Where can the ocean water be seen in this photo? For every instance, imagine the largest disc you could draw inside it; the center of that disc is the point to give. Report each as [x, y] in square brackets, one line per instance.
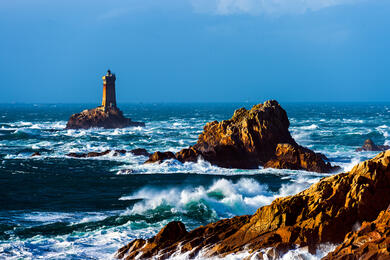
[56, 207]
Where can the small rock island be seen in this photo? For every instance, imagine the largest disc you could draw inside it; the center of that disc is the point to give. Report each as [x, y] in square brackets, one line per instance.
[369, 145]
[251, 138]
[108, 115]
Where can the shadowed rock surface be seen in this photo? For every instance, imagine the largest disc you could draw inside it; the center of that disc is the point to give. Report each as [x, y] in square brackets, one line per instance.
[253, 138]
[100, 117]
[371, 241]
[323, 213]
[370, 146]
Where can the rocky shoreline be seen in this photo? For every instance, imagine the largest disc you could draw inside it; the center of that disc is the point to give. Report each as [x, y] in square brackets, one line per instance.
[324, 213]
[251, 138]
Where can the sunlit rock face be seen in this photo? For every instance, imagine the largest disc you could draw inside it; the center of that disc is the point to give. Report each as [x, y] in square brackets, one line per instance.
[323, 213]
[371, 241]
[253, 138]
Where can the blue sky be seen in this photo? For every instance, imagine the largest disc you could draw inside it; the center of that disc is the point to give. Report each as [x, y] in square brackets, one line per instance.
[195, 50]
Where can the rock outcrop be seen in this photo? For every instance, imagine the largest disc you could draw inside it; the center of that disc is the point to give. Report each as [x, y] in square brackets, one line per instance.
[160, 156]
[371, 241]
[100, 117]
[253, 138]
[370, 146]
[323, 213]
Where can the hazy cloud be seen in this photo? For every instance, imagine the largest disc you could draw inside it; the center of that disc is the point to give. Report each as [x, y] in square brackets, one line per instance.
[255, 7]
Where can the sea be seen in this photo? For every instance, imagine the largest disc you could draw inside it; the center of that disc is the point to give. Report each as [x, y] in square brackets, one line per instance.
[57, 207]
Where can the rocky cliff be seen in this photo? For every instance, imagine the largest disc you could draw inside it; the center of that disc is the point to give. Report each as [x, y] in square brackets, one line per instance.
[99, 117]
[252, 138]
[323, 213]
[371, 241]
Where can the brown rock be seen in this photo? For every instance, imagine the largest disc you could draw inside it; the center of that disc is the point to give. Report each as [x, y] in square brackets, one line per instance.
[188, 155]
[100, 117]
[88, 155]
[297, 157]
[165, 242]
[97, 154]
[371, 241]
[77, 155]
[370, 146]
[160, 156]
[36, 154]
[323, 213]
[171, 233]
[253, 138]
[140, 151]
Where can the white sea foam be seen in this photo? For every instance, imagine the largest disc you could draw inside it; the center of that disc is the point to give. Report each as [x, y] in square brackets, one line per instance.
[384, 130]
[299, 253]
[223, 197]
[310, 127]
[200, 167]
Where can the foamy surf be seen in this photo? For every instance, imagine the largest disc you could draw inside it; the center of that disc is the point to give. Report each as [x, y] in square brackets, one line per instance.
[90, 207]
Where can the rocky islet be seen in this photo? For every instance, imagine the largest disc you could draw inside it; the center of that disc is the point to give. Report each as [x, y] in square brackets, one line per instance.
[251, 138]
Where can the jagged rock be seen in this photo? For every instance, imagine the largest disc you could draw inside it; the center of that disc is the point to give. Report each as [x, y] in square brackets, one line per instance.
[297, 157]
[100, 117]
[370, 146]
[160, 156]
[194, 241]
[140, 152]
[36, 154]
[371, 241]
[187, 155]
[323, 213]
[253, 138]
[168, 235]
[88, 155]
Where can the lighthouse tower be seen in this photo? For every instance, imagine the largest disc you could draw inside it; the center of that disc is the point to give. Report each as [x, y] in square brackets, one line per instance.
[109, 98]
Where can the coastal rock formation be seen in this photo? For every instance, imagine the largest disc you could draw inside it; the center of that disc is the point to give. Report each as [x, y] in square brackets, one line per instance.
[100, 117]
[253, 138]
[371, 241]
[137, 152]
[370, 146]
[140, 152]
[160, 156]
[323, 213]
[297, 157]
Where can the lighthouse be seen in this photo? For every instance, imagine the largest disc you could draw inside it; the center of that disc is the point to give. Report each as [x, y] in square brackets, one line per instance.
[109, 98]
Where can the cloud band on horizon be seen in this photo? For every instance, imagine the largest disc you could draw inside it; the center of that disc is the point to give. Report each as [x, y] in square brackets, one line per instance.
[266, 7]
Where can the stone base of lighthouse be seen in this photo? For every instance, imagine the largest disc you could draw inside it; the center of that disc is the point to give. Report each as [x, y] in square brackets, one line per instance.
[103, 117]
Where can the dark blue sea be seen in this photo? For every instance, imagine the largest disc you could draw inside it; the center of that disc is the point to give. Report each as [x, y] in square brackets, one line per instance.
[57, 207]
